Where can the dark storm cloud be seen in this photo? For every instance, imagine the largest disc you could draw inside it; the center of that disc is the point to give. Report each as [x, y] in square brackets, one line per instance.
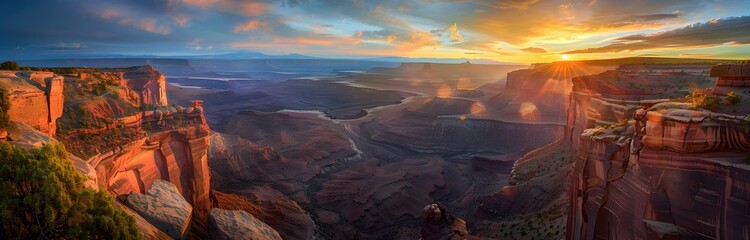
[713, 33]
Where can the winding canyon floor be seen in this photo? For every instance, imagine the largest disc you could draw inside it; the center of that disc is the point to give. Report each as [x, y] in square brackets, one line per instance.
[362, 154]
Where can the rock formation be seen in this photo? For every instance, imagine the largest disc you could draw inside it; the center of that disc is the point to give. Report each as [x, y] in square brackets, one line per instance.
[149, 83]
[163, 207]
[36, 98]
[238, 224]
[665, 170]
[177, 151]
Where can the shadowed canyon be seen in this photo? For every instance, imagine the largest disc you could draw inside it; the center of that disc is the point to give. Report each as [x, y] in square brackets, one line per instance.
[370, 120]
[565, 149]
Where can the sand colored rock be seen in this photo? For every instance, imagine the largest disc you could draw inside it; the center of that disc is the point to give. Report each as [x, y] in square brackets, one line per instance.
[151, 84]
[238, 224]
[148, 231]
[179, 156]
[163, 207]
[36, 98]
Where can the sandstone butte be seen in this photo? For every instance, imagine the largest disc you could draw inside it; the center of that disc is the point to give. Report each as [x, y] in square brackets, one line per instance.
[170, 159]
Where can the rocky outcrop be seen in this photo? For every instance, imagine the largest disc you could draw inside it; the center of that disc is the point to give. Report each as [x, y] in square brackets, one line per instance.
[150, 83]
[36, 98]
[732, 75]
[238, 224]
[177, 153]
[148, 231]
[163, 207]
[666, 171]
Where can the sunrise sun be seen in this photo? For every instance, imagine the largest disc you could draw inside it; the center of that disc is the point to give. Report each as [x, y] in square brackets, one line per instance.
[565, 57]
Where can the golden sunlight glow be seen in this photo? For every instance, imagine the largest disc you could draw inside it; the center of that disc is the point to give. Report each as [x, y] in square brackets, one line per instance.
[528, 111]
[444, 91]
[565, 57]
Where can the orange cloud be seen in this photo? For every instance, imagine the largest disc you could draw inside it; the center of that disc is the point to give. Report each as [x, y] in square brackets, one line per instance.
[421, 39]
[181, 21]
[147, 24]
[109, 14]
[534, 50]
[250, 25]
[302, 41]
[390, 38]
[454, 33]
[246, 8]
[358, 37]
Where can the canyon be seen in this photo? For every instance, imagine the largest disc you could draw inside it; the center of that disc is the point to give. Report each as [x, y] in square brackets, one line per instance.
[616, 149]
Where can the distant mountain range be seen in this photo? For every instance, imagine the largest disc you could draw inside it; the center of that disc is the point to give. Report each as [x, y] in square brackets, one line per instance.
[258, 55]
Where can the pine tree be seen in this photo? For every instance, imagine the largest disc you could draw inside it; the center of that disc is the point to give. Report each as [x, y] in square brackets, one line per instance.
[42, 196]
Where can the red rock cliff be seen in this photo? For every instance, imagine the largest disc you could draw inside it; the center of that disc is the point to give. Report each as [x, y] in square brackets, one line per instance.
[36, 98]
[146, 81]
[670, 172]
[175, 150]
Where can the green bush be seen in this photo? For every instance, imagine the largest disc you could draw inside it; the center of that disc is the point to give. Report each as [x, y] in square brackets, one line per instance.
[42, 196]
[9, 65]
[732, 98]
[703, 98]
[4, 106]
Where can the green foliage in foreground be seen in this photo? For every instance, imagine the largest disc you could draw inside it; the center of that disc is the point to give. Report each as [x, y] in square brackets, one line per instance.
[42, 196]
[4, 107]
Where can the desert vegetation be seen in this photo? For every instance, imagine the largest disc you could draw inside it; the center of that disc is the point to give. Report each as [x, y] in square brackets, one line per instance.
[42, 196]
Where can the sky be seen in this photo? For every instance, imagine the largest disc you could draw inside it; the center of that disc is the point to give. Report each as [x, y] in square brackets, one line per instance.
[521, 31]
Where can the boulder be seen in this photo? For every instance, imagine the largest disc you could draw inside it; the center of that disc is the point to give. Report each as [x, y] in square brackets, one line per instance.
[226, 225]
[164, 207]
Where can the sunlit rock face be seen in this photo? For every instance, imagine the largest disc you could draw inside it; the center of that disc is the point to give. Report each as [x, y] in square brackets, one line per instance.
[668, 173]
[149, 83]
[179, 155]
[36, 98]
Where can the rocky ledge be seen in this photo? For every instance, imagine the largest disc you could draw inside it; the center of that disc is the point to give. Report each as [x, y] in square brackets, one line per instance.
[164, 207]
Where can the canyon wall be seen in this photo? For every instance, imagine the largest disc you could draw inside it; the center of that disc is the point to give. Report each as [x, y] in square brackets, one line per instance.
[649, 168]
[146, 81]
[36, 98]
[175, 150]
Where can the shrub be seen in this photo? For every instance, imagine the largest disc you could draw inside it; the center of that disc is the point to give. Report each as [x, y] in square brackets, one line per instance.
[42, 196]
[4, 106]
[9, 65]
[732, 98]
[703, 98]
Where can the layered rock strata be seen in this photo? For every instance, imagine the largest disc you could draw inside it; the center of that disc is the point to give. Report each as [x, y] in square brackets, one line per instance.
[36, 98]
[666, 171]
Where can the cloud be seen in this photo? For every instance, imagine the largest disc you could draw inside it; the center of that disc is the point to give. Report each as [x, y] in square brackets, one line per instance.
[110, 14]
[147, 24]
[182, 21]
[514, 4]
[453, 29]
[421, 39]
[250, 25]
[390, 38]
[699, 35]
[534, 50]
[65, 46]
[241, 7]
[358, 37]
[545, 22]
